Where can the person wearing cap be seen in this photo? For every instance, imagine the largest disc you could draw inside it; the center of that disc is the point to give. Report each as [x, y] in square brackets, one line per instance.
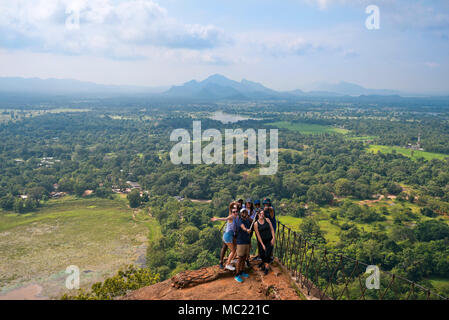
[257, 204]
[243, 242]
[272, 215]
[250, 207]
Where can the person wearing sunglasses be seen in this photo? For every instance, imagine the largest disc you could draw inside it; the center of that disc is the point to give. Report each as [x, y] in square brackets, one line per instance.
[228, 235]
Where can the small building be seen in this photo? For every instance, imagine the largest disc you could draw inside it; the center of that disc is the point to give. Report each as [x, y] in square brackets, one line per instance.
[56, 195]
[416, 146]
[134, 185]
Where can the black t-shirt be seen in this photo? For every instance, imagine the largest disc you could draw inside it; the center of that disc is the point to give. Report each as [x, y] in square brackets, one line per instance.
[242, 236]
[264, 231]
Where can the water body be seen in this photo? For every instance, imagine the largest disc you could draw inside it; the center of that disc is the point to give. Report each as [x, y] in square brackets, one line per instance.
[226, 118]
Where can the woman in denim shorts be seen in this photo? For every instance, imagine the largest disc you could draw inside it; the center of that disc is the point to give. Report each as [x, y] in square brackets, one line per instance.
[228, 235]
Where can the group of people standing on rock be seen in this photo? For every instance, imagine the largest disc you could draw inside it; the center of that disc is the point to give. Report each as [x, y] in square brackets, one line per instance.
[245, 219]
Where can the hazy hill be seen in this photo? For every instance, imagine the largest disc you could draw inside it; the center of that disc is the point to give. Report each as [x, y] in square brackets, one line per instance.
[347, 88]
[26, 91]
[220, 87]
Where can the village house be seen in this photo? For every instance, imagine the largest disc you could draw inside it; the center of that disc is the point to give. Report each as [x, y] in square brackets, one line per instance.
[134, 185]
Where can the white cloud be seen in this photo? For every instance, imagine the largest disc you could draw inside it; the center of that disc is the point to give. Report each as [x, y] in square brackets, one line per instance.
[105, 26]
[280, 45]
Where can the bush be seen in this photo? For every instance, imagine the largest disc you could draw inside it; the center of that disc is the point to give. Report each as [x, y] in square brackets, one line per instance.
[432, 230]
[190, 234]
[428, 212]
[134, 198]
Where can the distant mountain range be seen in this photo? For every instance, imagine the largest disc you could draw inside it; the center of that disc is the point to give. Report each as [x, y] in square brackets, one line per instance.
[220, 87]
[215, 87]
[351, 89]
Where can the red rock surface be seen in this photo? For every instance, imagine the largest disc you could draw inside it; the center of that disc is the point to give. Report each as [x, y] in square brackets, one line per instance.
[215, 284]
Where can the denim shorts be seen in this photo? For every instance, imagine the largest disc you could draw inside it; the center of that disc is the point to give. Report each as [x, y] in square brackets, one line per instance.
[228, 237]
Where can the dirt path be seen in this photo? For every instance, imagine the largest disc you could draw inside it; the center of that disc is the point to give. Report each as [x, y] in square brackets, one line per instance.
[30, 292]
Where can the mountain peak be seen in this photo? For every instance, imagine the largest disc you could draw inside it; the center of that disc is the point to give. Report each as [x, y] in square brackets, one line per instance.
[218, 86]
[217, 76]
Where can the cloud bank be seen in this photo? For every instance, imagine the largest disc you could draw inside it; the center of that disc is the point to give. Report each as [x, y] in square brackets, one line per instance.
[99, 26]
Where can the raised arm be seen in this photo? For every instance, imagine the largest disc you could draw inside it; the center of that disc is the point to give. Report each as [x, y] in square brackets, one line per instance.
[228, 218]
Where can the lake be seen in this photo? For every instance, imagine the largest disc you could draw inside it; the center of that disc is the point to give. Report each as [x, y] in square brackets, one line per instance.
[226, 118]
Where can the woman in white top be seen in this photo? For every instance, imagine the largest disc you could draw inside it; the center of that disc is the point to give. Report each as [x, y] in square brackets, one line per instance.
[228, 235]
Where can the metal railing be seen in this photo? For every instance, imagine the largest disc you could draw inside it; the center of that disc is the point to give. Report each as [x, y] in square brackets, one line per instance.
[325, 275]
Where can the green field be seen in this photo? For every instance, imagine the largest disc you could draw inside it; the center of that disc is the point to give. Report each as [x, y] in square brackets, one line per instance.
[331, 230]
[441, 285]
[362, 138]
[407, 152]
[97, 235]
[307, 128]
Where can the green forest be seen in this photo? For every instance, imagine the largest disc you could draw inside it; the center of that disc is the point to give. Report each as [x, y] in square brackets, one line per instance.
[385, 208]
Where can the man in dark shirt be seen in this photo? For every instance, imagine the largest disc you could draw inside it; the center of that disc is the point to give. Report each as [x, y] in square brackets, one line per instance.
[243, 242]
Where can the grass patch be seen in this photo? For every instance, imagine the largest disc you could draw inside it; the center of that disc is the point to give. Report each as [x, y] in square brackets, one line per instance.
[307, 128]
[97, 235]
[440, 284]
[330, 231]
[363, 138]
[291, 151]
[413, 154]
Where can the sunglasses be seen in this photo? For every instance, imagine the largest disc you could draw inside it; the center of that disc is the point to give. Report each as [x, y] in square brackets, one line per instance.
[234, 211]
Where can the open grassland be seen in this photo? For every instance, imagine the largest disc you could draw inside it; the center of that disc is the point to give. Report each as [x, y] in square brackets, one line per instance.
[307, 128]
[414, 154]
[97, 235]
[331, 229]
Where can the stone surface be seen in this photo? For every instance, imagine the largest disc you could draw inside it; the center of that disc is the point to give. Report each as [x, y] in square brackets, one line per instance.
[215, 284]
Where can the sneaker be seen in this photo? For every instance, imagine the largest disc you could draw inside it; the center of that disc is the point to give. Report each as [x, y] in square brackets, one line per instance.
[257, 258]
[238, 279]
[261, 265]
[221, 265]
[266, 271]
[229, 267]
[244, 275]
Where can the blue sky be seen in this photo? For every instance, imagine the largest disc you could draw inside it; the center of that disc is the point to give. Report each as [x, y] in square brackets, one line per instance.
[284, 44]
